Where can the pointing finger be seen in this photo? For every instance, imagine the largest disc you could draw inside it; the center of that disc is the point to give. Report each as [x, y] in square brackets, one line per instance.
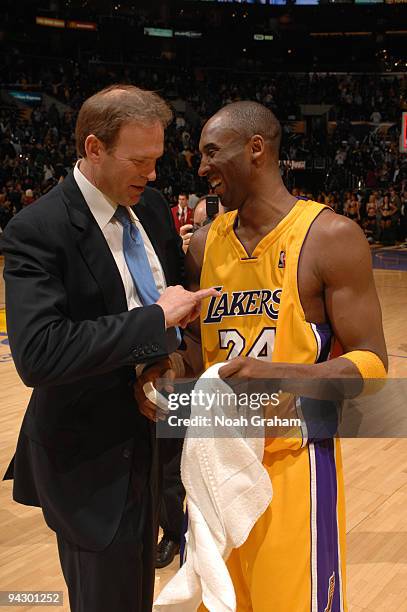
[204, 293]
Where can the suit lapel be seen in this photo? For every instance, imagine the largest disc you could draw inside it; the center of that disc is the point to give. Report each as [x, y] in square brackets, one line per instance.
[94, 248]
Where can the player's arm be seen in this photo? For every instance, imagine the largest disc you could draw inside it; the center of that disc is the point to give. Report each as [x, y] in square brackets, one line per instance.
[192, 355]
[343, 264]
[351, 300]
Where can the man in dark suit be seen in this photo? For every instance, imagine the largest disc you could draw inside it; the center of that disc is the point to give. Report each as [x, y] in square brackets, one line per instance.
[181, 213]
[78, 322]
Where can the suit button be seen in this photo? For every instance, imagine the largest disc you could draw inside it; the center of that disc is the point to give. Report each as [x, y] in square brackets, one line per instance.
[148, 350]
[154, 348]
[135, 353]
[126, 453]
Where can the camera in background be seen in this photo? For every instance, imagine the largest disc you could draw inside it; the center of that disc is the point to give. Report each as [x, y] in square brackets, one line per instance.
[205, 211]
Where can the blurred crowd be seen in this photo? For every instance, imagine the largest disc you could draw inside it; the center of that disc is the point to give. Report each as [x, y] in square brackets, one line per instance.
[351, 152]
[381, 213]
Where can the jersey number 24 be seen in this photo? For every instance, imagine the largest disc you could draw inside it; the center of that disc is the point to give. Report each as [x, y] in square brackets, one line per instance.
[262, 348]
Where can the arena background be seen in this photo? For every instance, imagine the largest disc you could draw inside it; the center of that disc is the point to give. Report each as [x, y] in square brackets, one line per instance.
[335, 74]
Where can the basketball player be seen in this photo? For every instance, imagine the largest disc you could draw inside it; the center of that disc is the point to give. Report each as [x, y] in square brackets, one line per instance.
[293, 276]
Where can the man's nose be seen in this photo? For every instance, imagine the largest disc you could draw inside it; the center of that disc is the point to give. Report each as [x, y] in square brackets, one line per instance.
[152, 175]
[203, 168]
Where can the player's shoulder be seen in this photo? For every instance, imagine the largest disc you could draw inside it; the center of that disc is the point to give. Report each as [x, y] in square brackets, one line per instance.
[217, 228]
[333, 229]
[336, 245]
[198, 242]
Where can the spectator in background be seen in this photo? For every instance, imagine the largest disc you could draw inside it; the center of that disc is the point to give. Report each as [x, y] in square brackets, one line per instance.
[181, 213]
[376, 117]
[394, 198]
[179, 121]
[49, 172]
[388, 221]
[6, 211]
[371, 206]
[353, 208]
[370, 222]
[333, 202]
[28, 197]
[15, 196]
[200, 219]
[200, 214]
[193, 200]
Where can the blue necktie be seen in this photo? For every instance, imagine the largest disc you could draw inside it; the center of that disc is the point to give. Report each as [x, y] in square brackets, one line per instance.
[140, 270]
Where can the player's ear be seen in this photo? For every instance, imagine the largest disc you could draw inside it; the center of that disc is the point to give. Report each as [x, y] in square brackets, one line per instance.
[257, 147]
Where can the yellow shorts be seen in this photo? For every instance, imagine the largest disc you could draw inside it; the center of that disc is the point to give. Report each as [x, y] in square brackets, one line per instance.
[294, 557]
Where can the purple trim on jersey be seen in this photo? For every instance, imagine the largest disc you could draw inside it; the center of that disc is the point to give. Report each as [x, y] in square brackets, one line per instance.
[327, 526]
[324, 332]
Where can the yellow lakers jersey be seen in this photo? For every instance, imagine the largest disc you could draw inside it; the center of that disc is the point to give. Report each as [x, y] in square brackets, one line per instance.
[259, 313]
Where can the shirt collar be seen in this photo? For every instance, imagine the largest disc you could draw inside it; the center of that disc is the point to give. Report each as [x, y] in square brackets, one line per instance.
[101, 207]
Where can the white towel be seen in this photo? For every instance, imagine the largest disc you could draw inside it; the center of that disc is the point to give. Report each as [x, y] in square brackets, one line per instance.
[227, 490]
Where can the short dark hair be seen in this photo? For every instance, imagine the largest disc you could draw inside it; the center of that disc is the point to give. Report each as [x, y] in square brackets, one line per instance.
[104, 113]
[250, 118]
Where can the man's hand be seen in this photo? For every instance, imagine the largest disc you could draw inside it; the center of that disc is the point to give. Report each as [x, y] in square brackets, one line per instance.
[186, 234]
[167, 370]
[160, 369]
[181, 306]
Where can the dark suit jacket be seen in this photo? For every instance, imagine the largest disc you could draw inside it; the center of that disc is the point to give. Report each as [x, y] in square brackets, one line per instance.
[178, 224]
[73, 340]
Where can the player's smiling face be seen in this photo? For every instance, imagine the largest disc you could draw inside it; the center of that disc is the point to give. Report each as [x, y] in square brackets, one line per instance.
[225, 162]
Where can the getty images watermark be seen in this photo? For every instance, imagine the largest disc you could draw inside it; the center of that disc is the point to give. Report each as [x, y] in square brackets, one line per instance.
[231, 403]
[313, 408]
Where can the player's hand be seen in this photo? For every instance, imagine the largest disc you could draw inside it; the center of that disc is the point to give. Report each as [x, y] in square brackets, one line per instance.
[248, 375]
[181, 306]
[246, 367]
[163, 370]
[254, 376]
[186, 234]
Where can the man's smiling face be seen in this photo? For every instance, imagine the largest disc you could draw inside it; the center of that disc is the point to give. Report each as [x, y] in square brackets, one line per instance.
[226, 162]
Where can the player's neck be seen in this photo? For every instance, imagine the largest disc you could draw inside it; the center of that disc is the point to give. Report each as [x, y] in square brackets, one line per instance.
[269, 203]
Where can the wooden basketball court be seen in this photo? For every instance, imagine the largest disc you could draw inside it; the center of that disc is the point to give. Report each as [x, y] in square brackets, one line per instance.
[375, 477]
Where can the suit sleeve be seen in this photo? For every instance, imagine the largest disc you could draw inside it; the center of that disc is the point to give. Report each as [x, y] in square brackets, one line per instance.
[49, 348]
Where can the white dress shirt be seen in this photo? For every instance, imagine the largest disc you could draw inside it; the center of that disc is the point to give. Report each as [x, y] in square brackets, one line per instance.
[103, 209]
[182, 214]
